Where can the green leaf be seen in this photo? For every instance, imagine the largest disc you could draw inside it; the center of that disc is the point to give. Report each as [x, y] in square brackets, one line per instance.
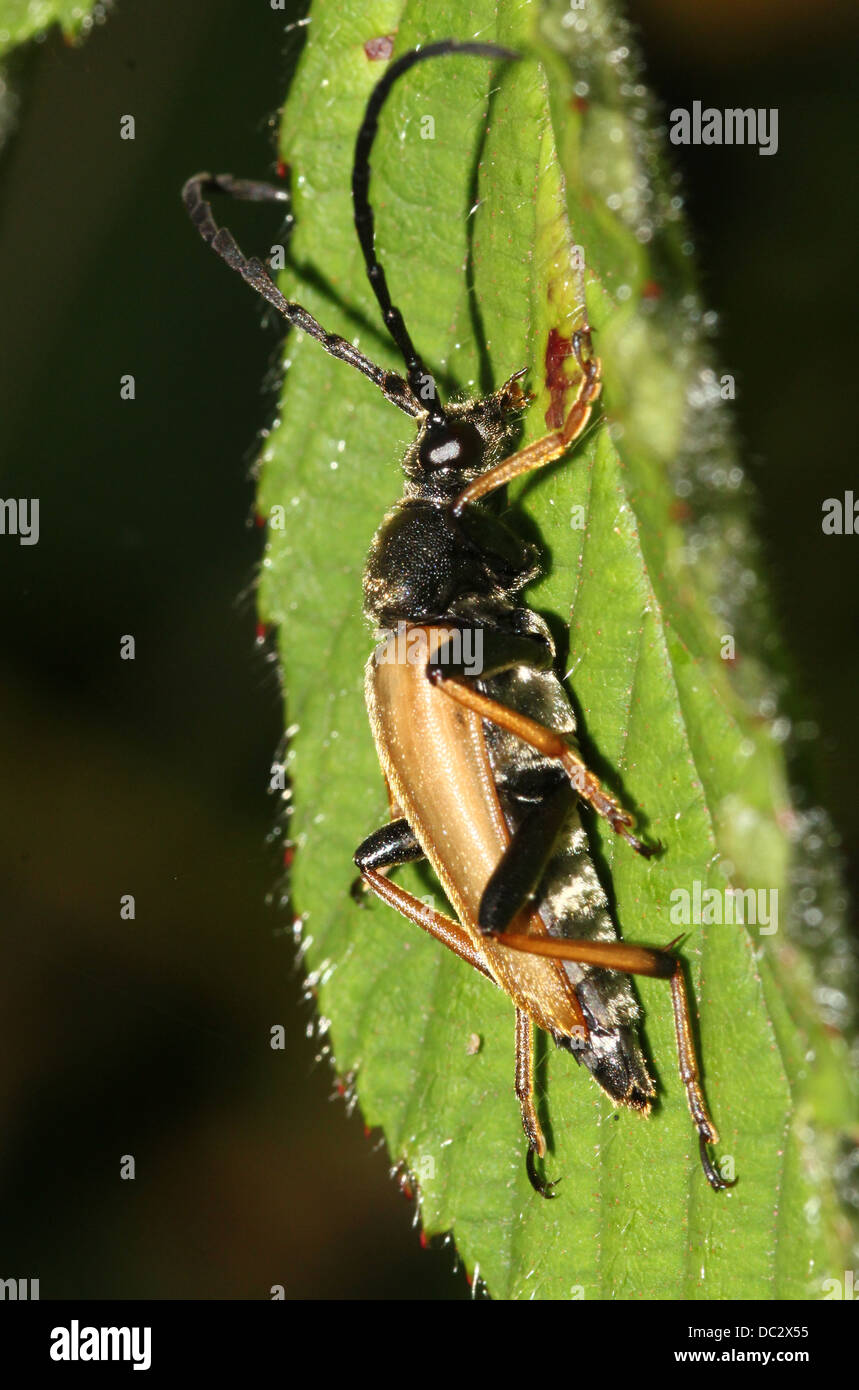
[21, 20]
[650, 577]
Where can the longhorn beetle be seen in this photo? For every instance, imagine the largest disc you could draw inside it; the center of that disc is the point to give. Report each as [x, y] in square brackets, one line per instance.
[483, 772]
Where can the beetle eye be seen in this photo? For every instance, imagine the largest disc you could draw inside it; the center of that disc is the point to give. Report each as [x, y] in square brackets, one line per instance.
[452, 444]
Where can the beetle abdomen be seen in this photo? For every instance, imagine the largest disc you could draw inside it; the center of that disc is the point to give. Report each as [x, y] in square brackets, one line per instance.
[569, 898]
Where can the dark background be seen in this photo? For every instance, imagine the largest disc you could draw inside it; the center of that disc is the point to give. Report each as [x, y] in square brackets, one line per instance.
[149, 777]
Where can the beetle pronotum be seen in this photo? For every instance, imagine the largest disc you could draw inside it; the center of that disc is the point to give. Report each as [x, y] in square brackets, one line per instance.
[483, 771]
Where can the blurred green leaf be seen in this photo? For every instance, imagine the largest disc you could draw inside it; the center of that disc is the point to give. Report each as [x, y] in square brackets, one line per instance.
[21, 20]
[557, 151]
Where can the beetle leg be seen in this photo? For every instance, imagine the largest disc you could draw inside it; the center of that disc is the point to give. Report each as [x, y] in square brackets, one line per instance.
[524, 1086]
[452, 935]
[387, 847]
[511, 397]
[551, 446]
[662, 965]
[523, 862]
[551, 745]
[390, 845]
[442, 928]
[394, 808]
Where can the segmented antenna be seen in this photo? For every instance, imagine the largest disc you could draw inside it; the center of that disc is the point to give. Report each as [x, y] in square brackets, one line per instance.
[364, 221]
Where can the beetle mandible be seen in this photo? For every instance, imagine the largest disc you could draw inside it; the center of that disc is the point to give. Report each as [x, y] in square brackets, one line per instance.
[480, 758]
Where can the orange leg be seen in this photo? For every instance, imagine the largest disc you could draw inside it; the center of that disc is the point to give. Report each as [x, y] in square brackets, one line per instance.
[442, 928]
[394, 809]
[551, 745]
[452, 935]
[661, 965]
[524, 1085]
[551, 446]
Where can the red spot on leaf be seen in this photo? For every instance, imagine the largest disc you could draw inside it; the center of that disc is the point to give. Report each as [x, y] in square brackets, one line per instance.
[680, 511]
[558, 349]
[288, 856]
[259, 519]
[650, 290]
[282, 168]
[425, 1245]
[379, 50]
[580, 104]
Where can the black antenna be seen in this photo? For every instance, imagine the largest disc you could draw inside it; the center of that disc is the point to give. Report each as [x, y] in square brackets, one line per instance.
[364, 221]
[393, 387]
